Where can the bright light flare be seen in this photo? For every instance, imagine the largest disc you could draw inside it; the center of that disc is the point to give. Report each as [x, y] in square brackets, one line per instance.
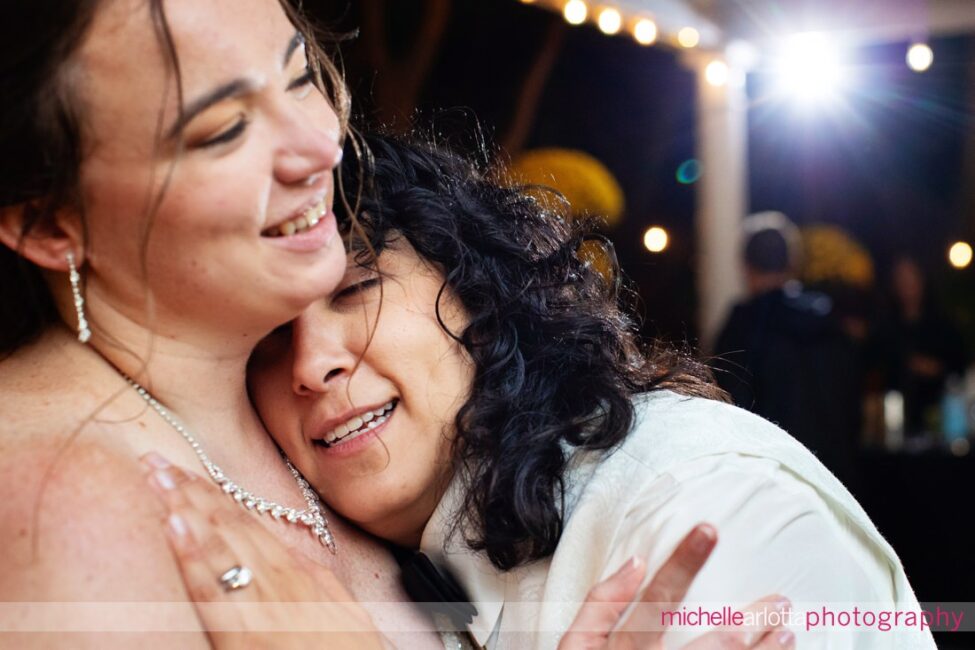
[920, 56]
[717, 73]
[645, 31]
[810, 68]
[960, 255]
[575, 12]
[688, 37]
[656, 239]
[610, 21]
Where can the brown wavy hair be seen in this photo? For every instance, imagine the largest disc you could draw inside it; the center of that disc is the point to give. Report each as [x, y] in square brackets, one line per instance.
[40, 133]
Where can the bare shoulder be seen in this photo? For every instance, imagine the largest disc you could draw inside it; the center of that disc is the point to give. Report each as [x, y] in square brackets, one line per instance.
[80, 528]
[77, 520]
[51, 385]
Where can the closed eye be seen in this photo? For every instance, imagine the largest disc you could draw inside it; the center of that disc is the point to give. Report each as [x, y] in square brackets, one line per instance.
[225, 136]
[357, 288]
[303, 84]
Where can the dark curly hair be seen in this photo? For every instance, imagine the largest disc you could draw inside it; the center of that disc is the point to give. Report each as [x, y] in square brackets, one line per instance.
[556, 359]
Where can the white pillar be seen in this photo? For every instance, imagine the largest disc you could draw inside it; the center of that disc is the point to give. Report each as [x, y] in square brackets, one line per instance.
[722, 195]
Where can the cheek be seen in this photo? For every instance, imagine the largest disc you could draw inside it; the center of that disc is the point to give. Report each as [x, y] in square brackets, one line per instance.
[192, 215]
[205, 199]
[321, 113]
[115, 211]
[282, 421]
[451, 375]
[270, 389]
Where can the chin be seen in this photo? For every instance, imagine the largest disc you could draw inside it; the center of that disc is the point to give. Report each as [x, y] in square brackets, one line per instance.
[317, 282]
[370, 516]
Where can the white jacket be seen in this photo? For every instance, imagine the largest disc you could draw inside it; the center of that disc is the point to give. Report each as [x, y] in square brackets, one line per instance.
[785, 524]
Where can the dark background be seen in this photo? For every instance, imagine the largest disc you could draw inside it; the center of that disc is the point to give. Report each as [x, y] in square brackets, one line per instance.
[887, 166]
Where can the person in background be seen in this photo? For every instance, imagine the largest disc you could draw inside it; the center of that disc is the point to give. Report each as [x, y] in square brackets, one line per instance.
[917, 347]
[783, 353]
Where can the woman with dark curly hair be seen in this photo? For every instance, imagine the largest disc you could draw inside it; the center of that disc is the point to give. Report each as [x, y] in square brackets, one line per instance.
[473, 389]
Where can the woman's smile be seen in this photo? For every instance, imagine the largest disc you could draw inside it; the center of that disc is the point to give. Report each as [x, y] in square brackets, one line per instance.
[302, 219]
[363, 427]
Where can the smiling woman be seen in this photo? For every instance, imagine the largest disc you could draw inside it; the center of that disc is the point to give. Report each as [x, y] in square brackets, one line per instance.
[167, 184]
[369, 408]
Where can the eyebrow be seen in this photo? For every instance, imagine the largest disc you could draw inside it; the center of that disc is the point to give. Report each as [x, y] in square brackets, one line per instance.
[233, 88]
[296, 41]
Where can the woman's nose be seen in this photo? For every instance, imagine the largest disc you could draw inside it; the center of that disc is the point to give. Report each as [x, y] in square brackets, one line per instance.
[310, 148]
[321, 360]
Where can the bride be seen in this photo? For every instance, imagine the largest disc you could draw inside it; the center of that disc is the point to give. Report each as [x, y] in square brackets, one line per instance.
[166, 194]
[165, 202]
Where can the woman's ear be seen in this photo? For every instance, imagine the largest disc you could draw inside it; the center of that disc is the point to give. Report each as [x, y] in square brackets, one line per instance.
[49, 240]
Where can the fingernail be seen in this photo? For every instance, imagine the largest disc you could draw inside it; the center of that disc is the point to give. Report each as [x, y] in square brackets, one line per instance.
[785, 638]
[631, 567]
[704, 538]
[152, 459]
[782, 604]
[177, 526]
[163, 479]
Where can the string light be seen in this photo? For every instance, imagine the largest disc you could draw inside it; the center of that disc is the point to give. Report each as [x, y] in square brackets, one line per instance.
[575, 12]
[960, 255]
[688, 37]
[920, 57]
[717, 73]
[610, 21]
[656, 239]
[645, 31]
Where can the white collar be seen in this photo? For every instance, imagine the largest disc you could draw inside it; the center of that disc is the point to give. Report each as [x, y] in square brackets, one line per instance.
[484, 583]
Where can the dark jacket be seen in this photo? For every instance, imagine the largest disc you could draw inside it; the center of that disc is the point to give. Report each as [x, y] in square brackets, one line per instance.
[783, 355]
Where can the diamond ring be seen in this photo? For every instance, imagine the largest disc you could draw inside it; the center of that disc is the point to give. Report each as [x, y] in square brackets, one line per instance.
[236, 577]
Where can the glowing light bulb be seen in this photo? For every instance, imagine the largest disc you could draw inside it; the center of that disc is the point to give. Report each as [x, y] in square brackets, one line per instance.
[920, 56]
[688, 37]
[645, 31]
[960, 255]
[717, 73]
[575, 12]
[610, 21]
[656, 239]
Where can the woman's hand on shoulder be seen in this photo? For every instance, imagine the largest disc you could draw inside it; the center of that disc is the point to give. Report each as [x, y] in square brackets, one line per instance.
[281, 599]
[616, 616]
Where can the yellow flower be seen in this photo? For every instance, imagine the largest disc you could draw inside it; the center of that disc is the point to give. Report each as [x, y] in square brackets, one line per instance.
[832, 255]
[586, 183]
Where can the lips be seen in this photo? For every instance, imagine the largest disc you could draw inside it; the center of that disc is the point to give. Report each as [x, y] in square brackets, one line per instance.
[353, 424]
[301, 219]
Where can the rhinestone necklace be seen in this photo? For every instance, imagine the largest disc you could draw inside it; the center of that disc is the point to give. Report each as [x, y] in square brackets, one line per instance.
[313, 516]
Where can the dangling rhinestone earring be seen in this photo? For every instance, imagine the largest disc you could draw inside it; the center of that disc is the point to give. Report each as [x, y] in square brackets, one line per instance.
[79, 302]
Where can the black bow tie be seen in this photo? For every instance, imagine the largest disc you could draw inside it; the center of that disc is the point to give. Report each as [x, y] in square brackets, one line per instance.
[435, 587]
